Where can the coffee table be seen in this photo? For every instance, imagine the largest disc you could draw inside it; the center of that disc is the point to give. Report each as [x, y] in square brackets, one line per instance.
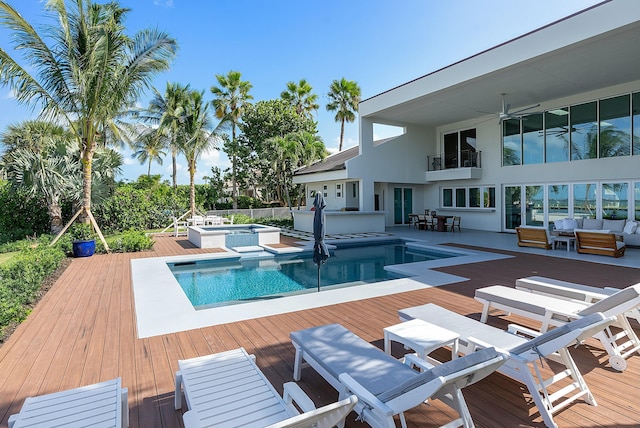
[568, 240]
[421, 336]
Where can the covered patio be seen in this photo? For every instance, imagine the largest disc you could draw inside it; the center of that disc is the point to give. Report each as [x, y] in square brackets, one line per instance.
[84, 331]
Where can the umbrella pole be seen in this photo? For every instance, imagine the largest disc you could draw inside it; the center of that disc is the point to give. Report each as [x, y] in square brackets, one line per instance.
[318, 278]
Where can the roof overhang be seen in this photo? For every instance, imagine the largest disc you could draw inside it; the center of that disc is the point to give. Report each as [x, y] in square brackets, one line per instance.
[596, 48]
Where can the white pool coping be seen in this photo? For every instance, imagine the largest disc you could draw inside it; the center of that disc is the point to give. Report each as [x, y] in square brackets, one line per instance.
[162, 307]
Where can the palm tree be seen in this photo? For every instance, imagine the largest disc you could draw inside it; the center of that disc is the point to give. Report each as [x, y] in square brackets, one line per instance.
[196, 137]
[149, 147]
[89, 72]
[231, 97]
[36, 160]
[168, 113]
[300, 96]
[344, 96]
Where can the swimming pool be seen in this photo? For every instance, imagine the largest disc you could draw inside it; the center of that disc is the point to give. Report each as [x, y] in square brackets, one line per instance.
[210, 283]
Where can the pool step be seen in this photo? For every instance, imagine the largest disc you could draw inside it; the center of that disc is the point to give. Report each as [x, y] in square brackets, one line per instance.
[248, 249]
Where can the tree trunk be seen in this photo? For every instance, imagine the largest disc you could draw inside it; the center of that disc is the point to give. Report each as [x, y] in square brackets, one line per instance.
[174, 156]
[341, 135]
[87, 165]
[192, 187]
[234, 191]
[55, 215]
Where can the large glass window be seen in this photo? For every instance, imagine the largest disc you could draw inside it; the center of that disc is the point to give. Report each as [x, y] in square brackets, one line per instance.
[637, 199]
[511, 144]
[636, 123]
[451, 150]
[533, 138]
[557, 135]
[535, 205]
[584, 200]
[615, 200]
[468, 157]
[584, 131]
[615, 127]
[558, 200]
[512, 214]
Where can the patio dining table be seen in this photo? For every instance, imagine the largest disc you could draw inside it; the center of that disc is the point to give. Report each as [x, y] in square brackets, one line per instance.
[442, 222]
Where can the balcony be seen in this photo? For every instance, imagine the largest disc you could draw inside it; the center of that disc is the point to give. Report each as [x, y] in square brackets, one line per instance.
[464, 165]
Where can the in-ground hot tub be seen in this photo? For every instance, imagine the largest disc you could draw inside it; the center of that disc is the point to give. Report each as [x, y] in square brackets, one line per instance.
[233, 236]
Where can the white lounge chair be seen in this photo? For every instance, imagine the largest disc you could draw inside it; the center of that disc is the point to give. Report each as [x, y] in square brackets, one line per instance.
[526, 354]
[102, 404]
[554, 311]
[385, 386]
[569, 291]
[228, 389]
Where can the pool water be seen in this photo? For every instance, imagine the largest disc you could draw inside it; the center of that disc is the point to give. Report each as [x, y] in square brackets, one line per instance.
[215, 283]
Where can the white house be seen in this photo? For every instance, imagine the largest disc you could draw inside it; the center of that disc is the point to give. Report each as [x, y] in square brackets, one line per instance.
[467, 148]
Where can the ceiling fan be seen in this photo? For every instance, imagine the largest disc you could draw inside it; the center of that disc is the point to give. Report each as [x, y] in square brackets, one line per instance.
[506, 114]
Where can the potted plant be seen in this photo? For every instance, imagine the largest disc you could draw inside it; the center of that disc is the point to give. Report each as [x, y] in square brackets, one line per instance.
[83, 240]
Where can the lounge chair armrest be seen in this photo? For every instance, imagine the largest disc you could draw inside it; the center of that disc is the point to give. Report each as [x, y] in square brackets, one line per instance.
[191, 419]
[352, 386]
[526, 332]
[294, 394]
[550, 313]
[414, 360]
[478, 343]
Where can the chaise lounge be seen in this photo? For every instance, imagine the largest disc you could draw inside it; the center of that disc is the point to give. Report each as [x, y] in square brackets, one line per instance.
[102, 404]
[554, 311]
[527, 353]
[228, 389]
[385, 386]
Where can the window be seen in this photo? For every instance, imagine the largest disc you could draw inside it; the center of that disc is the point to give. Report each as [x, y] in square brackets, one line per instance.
[460, 149]
[461, 198]
[533, 139]
[636, 122]
[584, 131]
[325, 192]
[615, 127]
[637, 199]
[312, 193]
[558, 200]
[338, 190]
[557, 135]
[474, 197]
[615, 200]
[447, 197]
[511, 145]
[489, 197]
[584, 200]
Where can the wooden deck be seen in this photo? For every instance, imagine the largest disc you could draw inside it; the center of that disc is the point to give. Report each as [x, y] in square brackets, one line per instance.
[84, 331]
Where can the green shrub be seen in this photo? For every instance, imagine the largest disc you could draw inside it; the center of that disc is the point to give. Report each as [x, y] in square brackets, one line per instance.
[21, 214]
[21, 279]
[242, 219]
[286, 222]
[128, 242]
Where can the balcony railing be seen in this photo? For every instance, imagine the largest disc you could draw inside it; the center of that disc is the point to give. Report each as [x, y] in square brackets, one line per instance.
[462, 159]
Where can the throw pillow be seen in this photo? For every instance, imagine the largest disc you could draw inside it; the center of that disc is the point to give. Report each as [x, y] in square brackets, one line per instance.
[559, 224]
[630, 227]
[570, 224]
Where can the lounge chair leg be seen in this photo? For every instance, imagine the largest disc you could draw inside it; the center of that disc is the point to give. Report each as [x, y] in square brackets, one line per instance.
[178, 393]
[297, 365]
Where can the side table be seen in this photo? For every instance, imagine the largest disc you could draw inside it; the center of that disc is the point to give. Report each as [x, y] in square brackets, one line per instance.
[421, 336]
[568, 240]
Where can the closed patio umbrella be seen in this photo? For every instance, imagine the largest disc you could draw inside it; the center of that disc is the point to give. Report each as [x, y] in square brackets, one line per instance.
[320, 250]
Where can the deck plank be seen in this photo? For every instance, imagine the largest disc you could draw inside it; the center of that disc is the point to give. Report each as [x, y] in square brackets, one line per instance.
[84, 331]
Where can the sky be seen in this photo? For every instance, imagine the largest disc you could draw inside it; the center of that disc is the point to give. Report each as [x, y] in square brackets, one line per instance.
[380, 44]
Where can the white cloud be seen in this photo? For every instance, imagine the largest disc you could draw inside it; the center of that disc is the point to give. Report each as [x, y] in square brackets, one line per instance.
[10, 95]
[165, 3]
